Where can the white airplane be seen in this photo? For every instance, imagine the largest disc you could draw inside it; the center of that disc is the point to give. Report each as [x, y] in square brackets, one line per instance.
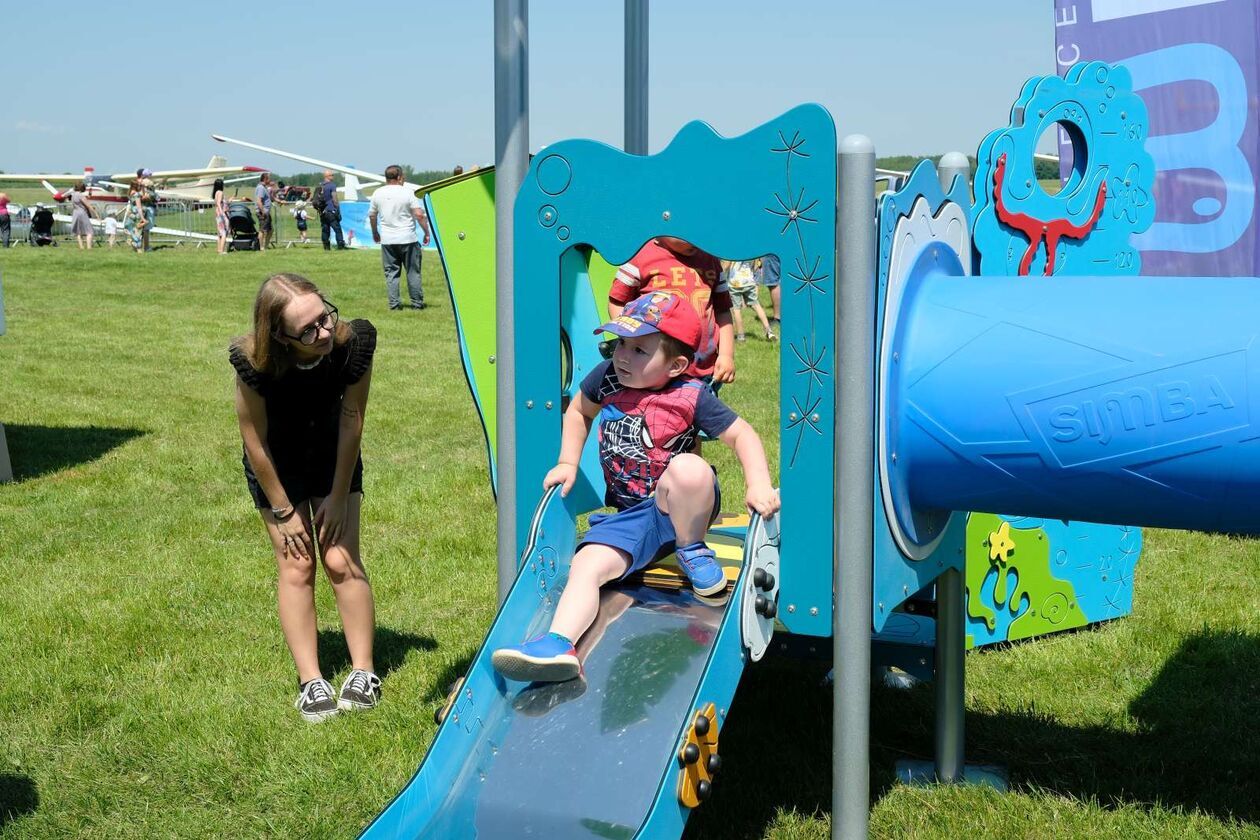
[173, 184]
[353, 176]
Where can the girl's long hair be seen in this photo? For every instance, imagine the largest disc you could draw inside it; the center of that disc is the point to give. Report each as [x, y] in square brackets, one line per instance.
[267, 353]
[218, 187]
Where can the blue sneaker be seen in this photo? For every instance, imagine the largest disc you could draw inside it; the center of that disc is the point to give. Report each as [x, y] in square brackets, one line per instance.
[546, 658]
[702, 568]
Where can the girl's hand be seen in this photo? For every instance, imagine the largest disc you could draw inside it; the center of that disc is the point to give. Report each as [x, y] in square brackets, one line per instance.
[562, 474]
[330, 520]
[297, 541]
[763, 499]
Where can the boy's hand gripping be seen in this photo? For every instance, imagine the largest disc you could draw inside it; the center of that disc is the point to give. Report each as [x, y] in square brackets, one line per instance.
[562, 474]
[763, 499]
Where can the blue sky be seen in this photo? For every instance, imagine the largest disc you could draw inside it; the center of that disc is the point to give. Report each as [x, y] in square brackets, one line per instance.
[123, 85]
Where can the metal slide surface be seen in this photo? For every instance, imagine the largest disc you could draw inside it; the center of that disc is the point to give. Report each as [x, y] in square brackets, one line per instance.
[582, 759]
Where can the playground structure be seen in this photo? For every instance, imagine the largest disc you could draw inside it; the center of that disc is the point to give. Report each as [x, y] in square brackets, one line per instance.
[1055, 397]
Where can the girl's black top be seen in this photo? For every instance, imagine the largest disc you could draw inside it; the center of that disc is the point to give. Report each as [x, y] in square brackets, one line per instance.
[304, 406]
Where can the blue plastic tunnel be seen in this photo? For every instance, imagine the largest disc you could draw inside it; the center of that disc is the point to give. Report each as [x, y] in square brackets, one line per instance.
[1125, 400]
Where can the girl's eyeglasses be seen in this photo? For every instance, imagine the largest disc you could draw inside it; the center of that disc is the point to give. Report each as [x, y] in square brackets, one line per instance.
[326, 322]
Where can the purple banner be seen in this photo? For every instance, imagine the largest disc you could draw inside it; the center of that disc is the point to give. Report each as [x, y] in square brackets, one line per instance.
[1194, 63]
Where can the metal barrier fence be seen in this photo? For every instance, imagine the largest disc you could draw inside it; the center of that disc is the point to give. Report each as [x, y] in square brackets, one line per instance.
[183, 216]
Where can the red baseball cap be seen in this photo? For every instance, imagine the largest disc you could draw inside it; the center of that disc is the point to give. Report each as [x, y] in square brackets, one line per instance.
[661, 312]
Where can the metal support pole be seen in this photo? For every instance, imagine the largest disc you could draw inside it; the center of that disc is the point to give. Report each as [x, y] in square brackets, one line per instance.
[951, 639]
[952, 165]
[951, 645]
[511, 159]
[636, 122]
[855, 502]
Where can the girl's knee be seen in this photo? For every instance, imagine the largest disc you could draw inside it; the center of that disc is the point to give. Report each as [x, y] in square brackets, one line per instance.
[340, 566]
[296, 571]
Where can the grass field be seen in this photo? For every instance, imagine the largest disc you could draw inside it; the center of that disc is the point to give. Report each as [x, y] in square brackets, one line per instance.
[147, 689]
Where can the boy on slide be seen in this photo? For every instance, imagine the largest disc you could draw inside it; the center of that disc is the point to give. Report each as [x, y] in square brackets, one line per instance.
[649, 411]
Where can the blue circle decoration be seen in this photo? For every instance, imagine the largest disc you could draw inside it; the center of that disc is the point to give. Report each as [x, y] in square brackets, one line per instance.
[554, 174]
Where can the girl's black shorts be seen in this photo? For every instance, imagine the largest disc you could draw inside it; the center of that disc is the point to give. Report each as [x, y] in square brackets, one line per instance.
[301, 485]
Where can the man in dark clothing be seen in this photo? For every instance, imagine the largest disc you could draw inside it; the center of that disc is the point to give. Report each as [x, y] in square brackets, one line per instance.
[330, 215]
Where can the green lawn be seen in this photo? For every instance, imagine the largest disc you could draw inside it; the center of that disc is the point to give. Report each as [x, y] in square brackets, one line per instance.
[147, 691]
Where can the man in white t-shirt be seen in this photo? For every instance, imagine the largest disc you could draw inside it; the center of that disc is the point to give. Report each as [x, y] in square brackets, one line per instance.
[394, 212]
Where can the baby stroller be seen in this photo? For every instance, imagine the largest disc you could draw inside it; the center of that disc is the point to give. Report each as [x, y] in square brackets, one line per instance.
[41, 228]
[244, 231]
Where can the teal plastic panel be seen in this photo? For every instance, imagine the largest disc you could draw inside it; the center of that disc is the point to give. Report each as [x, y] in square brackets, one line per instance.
[771, 190]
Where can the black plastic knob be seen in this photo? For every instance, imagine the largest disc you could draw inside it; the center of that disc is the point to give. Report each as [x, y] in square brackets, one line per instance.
[759, 578]
[771, 610]
[759, 606]
[703, 789]
[702, 725]
[714, 764]
[769, 582]
[691, 754]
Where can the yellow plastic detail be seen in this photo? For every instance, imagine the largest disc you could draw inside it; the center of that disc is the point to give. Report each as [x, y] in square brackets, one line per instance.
[1000, 543]
[690, 775]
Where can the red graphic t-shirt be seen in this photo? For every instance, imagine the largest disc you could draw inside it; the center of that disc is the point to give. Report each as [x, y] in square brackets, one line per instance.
[697, 277]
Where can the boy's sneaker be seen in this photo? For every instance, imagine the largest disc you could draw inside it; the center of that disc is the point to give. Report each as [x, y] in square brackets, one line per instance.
[546, 658]
[771, 337]
[741, 337]
[361, 690]
[702, 568]
[316, 701]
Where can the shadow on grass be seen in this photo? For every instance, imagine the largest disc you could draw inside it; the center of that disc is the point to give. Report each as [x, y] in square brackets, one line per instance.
[389, 652]
[18, 797]
[1197, 744]
[39, 450]
[441, 686]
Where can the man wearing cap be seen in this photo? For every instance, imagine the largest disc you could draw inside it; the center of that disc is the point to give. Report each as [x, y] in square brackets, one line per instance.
[649, 412]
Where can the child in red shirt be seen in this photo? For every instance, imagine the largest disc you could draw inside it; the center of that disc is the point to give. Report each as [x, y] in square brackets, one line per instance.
[668, 264]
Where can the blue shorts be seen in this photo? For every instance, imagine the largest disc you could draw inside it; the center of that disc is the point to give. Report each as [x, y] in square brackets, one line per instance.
[641, 531]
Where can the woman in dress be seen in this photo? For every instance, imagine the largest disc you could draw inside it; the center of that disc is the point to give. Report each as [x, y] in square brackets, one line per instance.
[302, 379]
[81, 221]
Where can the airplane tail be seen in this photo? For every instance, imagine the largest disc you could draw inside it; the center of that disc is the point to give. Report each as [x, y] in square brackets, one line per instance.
[216, 162]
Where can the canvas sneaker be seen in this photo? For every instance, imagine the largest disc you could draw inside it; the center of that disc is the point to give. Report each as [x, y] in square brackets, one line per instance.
[702, 568]
[546, 658]
[361, 690]
[316, 701]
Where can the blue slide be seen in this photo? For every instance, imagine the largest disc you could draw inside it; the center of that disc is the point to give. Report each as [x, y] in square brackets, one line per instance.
[599, 756]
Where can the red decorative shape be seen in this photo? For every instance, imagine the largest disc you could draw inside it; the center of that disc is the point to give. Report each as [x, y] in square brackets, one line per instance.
[1051, 230]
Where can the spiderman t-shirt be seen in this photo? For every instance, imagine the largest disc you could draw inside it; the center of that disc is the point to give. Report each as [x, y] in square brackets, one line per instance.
[641, 431]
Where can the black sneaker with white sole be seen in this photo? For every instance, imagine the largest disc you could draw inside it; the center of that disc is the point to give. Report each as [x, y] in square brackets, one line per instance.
[361, 690]
[316, 701]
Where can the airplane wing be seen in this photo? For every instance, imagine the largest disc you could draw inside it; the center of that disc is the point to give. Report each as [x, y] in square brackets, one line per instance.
[39, 179]
[190, 173]
[336, 167]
